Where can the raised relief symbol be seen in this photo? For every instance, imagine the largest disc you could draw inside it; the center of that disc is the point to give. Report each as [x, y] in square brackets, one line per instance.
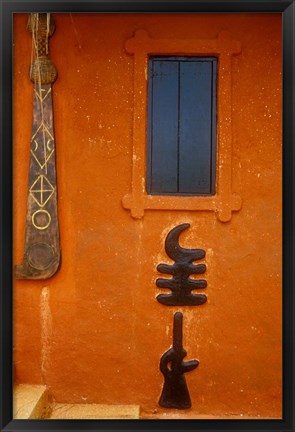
[181, 284]
[175, 393]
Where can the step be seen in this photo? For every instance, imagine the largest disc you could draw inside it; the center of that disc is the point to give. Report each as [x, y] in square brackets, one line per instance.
[31, 402]
[94, 411]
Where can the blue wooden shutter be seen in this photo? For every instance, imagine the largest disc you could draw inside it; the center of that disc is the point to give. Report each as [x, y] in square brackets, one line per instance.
[181, 126]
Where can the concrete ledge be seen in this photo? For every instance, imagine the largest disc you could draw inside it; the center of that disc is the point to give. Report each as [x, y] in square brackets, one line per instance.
[31, 402]
[94, 411]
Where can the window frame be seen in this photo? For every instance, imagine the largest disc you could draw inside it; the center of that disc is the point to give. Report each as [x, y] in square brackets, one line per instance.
[224, 201]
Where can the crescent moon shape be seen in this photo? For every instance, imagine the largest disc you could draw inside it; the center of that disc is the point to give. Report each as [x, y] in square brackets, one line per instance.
[175, 251]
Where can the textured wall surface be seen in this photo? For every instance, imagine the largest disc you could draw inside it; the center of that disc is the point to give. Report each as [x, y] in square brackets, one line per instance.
[94, 332]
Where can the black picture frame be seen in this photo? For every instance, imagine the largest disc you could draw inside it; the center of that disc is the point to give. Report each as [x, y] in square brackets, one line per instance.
[7, 8]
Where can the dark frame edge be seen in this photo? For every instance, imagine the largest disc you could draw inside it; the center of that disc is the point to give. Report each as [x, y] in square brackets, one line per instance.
[288, 212]
[6, 9]
[217, 6]
[6, 223]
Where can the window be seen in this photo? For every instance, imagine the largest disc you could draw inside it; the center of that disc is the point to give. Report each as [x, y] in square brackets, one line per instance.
[216, 194]
[181, 138]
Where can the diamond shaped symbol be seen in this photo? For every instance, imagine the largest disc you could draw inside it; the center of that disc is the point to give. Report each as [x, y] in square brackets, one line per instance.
[41, 190]
[42, 155]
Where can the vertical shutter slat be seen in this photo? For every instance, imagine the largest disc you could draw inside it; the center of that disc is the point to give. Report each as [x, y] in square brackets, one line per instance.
[195, 127]
[164, 127]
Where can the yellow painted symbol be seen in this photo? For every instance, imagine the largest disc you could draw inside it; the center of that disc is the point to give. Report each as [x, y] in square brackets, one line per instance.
[42, 133]
[45, 161]
[49, 148]
[44, 128]
[41, 219]
[41, 190]
[40, 95]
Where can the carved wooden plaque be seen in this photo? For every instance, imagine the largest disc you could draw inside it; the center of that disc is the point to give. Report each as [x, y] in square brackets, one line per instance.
[42, 249]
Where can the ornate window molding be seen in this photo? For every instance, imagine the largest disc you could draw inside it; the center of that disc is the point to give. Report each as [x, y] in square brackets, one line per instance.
[224, 202]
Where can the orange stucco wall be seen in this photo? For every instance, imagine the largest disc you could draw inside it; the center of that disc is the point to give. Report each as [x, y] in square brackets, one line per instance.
[94, 332]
